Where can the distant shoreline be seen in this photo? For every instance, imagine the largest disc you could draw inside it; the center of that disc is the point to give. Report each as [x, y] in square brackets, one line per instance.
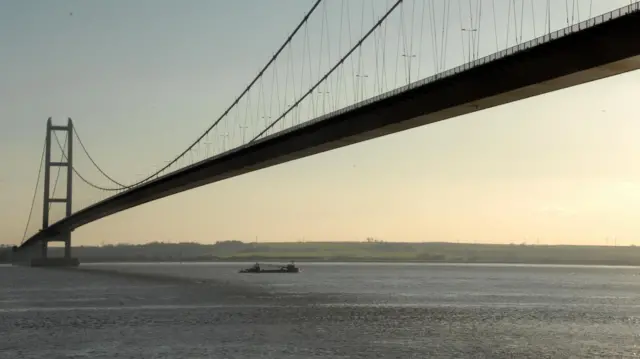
[359, 260]
[370, 251]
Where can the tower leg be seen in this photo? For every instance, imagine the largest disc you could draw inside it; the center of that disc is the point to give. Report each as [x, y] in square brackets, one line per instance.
[46, 204]
[69, 203]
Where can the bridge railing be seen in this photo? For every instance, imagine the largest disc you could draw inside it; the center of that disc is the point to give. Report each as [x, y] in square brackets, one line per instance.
[635, 7]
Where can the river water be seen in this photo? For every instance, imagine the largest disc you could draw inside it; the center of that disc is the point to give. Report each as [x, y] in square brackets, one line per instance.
[327, 311]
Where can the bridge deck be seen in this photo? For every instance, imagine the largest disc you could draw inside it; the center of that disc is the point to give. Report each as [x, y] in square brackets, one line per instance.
[603, 47]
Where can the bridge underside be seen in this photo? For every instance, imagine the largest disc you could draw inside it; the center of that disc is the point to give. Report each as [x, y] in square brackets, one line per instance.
[602, 51]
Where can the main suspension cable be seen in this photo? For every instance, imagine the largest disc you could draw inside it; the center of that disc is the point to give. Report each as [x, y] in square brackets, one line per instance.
[91, 184]
[235, 103]
[35, 192]
[122, 186]
[345, 57]
[75, 131]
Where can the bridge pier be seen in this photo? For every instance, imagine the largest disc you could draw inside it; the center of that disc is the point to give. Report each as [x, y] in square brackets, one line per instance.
[37, 255]
[44, 260]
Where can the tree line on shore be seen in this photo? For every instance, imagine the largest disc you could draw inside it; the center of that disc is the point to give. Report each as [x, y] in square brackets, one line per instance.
[368, 250]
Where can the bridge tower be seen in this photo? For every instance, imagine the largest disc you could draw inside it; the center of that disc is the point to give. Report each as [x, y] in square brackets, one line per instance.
[65, 236]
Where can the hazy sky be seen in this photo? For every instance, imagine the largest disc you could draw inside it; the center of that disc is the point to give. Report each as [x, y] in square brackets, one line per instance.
[143, 78]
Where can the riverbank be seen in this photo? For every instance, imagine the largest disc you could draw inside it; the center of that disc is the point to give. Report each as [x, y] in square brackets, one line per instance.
[371, 251]
[357, 260]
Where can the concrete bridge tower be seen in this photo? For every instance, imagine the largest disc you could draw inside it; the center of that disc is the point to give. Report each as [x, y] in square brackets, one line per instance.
[37, 254]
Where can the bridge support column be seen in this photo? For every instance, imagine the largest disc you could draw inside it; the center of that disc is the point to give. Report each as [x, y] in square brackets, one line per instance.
[47, 261]
[39, 256]
[48, 164]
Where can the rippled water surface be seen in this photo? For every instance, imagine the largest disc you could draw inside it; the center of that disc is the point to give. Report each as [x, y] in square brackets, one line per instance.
[328, 311]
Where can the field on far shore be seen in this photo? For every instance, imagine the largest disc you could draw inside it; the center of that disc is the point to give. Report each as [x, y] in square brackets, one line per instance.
[370, 250]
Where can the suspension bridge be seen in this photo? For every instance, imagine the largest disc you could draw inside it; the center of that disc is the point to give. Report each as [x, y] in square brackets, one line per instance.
[348, 74]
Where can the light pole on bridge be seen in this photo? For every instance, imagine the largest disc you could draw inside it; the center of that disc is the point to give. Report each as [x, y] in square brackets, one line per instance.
[243, 128]
[207, 144]
[470, 32]
[224, 137]
[409, 58]
[362, 77]
[323, 94]
[266, 120]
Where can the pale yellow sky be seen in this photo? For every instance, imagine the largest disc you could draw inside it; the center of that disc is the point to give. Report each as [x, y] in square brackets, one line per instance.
[559, 168]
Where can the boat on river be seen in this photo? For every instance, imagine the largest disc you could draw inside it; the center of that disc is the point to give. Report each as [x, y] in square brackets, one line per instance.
[289, 268]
